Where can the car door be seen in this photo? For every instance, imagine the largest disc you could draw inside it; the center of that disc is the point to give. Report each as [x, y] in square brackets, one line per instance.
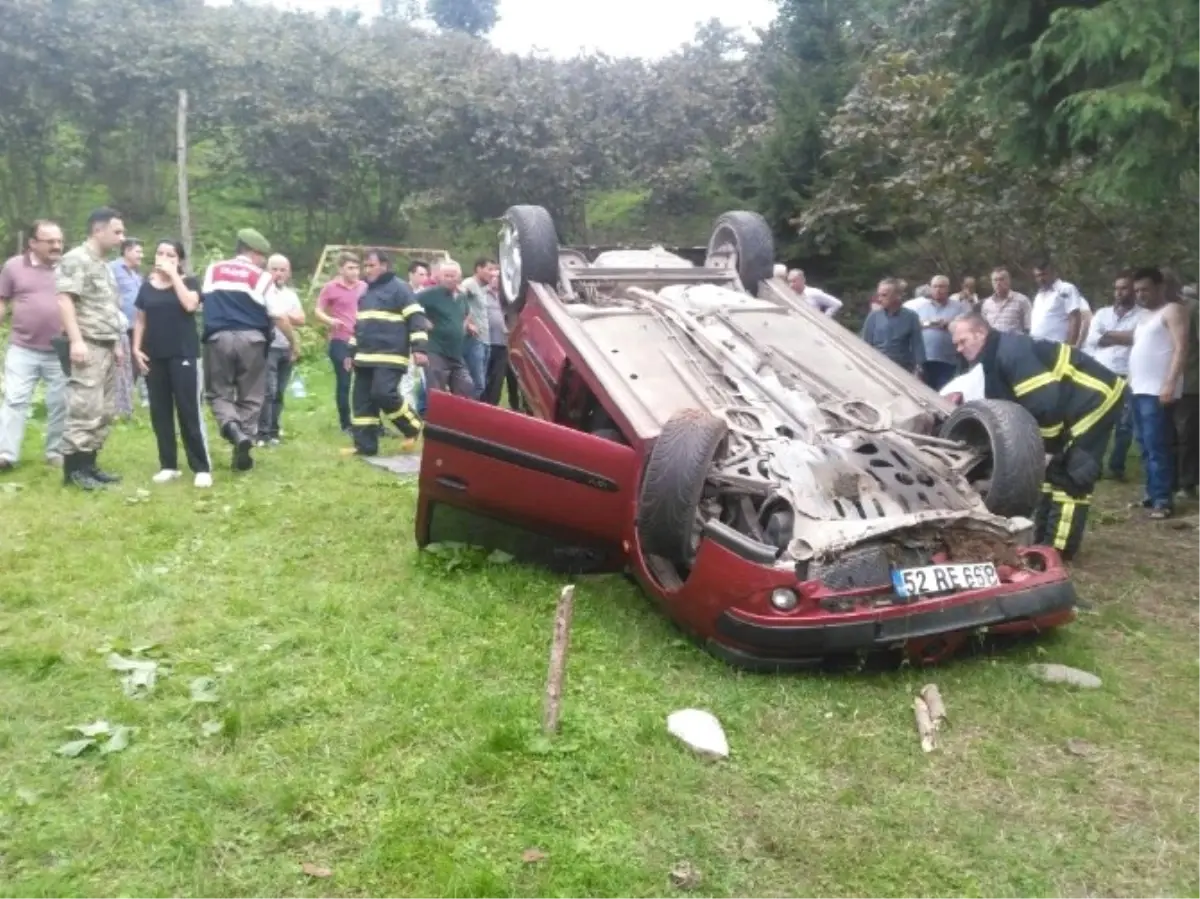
[538, 357]
[544, 493]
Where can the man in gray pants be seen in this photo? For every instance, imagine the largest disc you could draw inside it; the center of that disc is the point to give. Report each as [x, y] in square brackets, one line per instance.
[240, 307]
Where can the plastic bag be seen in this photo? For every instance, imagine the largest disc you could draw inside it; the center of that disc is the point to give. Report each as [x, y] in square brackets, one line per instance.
[410, 385]
[970, 385]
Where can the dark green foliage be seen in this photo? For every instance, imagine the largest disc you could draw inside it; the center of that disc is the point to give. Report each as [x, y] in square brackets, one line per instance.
[473, 17]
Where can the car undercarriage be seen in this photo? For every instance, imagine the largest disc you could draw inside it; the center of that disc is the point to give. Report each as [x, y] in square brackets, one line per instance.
[781, 488]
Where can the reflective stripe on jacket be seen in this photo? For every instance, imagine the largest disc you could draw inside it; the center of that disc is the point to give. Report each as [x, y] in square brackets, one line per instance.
[391, 324]
[1066, 390]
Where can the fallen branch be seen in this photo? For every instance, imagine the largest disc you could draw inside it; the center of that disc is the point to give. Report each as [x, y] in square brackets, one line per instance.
[558, 658]
[925, 725]
[933, 702]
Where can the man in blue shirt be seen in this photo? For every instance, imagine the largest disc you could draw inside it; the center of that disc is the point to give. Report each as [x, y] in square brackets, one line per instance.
[936, 312]
[127, 271]
[894, 330]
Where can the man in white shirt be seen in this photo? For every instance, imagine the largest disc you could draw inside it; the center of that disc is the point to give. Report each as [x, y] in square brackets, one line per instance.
[1156, 363]
[1121, 317]
[1058, 308]
[814, 296]
[279, 355]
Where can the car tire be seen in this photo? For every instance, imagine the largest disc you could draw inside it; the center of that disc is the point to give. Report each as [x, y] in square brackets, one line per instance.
[1016, 462]
[673, 485]
[532, 230]
[749, 236]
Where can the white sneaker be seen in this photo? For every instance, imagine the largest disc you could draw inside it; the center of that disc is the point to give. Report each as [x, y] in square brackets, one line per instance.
[167, 474]
[203, 479]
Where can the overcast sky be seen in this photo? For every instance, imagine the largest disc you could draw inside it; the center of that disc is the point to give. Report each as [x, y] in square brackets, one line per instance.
[647, 28]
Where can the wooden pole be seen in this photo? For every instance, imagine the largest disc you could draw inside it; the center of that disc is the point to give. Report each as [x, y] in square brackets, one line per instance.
[20, 242]
[185, 219]
[558, 658]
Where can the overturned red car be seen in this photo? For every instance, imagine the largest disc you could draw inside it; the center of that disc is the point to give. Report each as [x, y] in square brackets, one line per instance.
[784, 491]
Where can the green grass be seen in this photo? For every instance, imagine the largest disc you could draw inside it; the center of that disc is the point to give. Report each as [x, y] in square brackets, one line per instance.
[380, 715]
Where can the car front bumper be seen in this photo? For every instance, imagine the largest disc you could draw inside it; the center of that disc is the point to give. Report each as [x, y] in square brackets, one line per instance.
[797, 644]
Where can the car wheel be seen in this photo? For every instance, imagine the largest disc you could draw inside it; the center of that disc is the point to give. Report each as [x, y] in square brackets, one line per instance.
[743, 241]
[668, 514]
[528, 252]
[1010, 478]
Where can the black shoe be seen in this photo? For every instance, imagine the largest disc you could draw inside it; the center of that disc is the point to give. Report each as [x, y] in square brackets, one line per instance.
[242, 444]
[77, 474]
[242, 460]
[102, 476]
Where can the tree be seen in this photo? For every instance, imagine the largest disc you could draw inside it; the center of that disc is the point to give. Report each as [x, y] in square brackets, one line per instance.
[1113, 81]
[917, 180]
[473, 17]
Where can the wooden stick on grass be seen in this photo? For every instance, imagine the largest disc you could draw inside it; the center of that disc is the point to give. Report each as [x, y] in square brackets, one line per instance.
[924, 725]
[558, 658]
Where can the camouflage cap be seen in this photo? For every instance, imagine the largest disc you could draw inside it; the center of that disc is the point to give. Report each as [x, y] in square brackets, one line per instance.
[253, 239]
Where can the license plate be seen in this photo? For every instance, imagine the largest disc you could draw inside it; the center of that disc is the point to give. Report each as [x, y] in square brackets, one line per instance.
[944, 579]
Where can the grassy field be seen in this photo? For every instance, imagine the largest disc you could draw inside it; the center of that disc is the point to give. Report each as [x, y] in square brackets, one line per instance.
[376, 715]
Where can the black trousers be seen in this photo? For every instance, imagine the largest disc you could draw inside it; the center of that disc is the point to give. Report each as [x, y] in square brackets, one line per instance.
[497, 370]
[375, 392]
[338, 351]
[1184, 416]
[1061, 517]
[175, 390]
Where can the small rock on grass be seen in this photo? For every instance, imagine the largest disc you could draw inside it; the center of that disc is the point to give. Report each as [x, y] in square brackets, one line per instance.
[701, 731]
[685, 876]
[1081, 748]
[1064, 674]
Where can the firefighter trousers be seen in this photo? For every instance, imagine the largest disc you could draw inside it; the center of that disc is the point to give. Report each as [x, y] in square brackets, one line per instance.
[375, 393]
[1062, 514]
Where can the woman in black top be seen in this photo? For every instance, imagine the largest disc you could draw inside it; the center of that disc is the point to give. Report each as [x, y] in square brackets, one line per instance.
[167, 350]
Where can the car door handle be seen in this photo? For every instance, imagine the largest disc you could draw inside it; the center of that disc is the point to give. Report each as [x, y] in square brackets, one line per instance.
[451, 482]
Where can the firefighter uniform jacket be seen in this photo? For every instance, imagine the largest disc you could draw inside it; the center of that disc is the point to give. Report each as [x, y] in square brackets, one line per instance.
[391, 325]
[1066, 390]
[1076, 401]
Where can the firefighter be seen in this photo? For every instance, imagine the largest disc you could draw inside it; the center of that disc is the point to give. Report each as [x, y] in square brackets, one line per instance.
[391, 327]
[1076, 402]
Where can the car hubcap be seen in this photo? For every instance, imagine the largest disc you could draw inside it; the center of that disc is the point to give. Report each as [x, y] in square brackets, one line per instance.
[510, 261]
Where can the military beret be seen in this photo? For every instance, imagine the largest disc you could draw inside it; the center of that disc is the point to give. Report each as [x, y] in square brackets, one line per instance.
[253, 239]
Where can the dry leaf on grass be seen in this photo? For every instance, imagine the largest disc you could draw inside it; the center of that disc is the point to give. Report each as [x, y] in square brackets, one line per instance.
[532, 856]
[315, 870]
[1081, 748]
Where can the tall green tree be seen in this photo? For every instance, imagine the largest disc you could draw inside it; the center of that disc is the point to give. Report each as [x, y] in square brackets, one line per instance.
[473, 17]
[1114, 82]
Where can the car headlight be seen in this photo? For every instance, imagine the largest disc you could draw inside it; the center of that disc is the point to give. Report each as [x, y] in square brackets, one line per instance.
[784, 599]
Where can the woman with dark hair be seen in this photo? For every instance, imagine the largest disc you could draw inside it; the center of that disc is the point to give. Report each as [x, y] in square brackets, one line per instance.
[167, 349]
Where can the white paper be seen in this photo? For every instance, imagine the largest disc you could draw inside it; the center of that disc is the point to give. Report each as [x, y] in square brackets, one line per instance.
[970, 385]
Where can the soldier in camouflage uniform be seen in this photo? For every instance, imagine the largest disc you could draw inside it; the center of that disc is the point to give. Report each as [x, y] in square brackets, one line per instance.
[91, 311]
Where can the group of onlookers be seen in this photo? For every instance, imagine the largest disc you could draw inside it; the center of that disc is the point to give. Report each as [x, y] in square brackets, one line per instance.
[96, 331]
[1147, 339]
[467, 342]
[89, 329]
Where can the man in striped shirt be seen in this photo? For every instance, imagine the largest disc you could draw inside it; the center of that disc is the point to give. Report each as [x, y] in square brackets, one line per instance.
[1006, 309]
[240, 306]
